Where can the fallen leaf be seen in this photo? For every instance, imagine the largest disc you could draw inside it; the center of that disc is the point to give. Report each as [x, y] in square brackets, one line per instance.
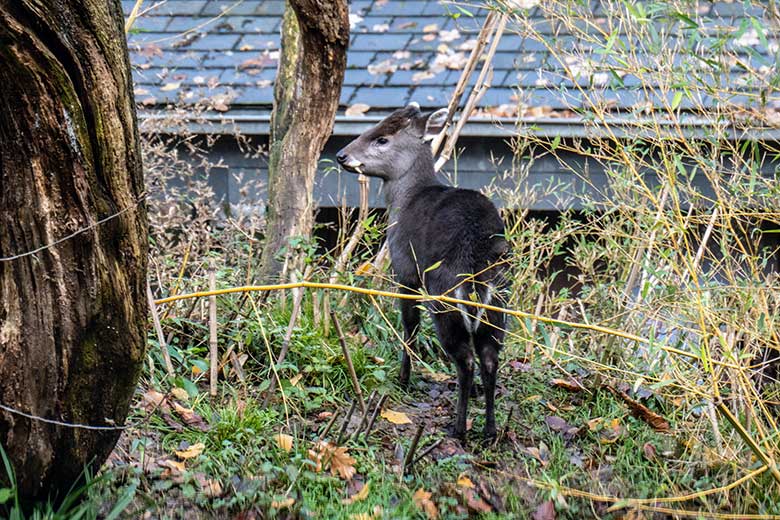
[545, 511]
[358, 109]
[342, 464]
[649, 451]
[475, 502]
[448, 36]
[296, 379]
[438, 376]
[282, 504]
[464, 481]
[566, 384]
[180, 394]
[364, 268]
[380, 27]
[357, 497]
[211, 488]
[284, 441]
[396, 417]
[383, 67]
[656, 421]
[170, 86]
[152, 399]
[173, 467]
[431, 28]
[190, 418]
[191, 452]
[422, 499]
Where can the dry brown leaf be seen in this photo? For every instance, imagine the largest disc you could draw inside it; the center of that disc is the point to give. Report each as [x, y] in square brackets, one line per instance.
[657, 422]
[464, 481]
[364, 269]
[431, 28]
[191, 452]
[566, 384]
[475, 502]
[296, 379]
[284, 441]
[152, 399]
[357, 497]
[191, 418]
[174, 467]
[396, 417]
[422, 499]
[180, 394]
[545, 511]
[342, 464]
[358, 109]
[283, 504]
[211, 488]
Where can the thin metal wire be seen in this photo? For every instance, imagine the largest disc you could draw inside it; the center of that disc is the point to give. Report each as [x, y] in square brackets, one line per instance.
[60, 423]
[75, 233]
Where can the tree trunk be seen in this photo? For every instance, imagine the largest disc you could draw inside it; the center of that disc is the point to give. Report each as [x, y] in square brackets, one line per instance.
[73, 313]
[315, 36]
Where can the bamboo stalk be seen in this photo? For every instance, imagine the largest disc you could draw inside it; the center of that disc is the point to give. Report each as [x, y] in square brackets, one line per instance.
[214, 354]
[350, 366]
[158, 330]
[468, 70]
[480, 87]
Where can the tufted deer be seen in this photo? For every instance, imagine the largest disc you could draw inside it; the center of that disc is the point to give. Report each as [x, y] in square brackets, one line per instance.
[448, 240]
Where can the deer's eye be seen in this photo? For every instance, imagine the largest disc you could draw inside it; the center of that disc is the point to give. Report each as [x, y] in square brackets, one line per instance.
[381, 140]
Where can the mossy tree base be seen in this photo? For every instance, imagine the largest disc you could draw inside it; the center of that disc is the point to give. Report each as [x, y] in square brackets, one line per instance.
[72, 316]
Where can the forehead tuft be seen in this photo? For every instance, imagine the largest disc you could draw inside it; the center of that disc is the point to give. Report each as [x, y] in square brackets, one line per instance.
[394, 123]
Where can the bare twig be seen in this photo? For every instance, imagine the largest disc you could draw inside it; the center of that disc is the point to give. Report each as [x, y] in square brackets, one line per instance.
[296, 310]
[158, 329]
[348, 358]
[329, 425]
[427, 451]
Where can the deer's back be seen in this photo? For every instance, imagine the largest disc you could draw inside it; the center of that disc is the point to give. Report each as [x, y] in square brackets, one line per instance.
[459, 228]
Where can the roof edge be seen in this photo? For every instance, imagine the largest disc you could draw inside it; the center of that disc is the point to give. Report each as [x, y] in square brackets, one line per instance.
[255, 123]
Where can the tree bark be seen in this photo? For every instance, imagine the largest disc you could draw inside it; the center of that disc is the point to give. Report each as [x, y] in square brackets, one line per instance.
[315, 36]
[72, 315]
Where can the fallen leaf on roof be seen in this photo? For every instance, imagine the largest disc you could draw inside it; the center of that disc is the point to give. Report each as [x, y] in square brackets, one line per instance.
[383, 67]
[402, 55]
[358, 109]
[246, 47]
[429, 37]
[422, 76]
[151, 49]
[448, 36]
[148, 102]
[380, 27]
[263, 60]
[186, 41]
[431, 28]
[396, 417]
[354, 19]
[467, 45]
[199, 80]
[422, 499]
[407, 25]
[140, 91]
[170, 86]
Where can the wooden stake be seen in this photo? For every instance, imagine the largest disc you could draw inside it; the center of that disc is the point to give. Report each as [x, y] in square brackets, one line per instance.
[214, 355]
[408, 460]
[345, 425]
[158, 329]
[350, 367]
[374, 415]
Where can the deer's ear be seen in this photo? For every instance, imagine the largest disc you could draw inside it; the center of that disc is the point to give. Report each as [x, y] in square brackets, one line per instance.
[434, 124]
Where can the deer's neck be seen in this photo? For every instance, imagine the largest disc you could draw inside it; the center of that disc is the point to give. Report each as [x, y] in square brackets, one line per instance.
[399, 192]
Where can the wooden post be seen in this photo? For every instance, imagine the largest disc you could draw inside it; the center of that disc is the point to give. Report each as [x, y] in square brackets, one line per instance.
[214, 355]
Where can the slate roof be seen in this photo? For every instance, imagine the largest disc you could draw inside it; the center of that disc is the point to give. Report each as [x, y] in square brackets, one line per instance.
[225, 51]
